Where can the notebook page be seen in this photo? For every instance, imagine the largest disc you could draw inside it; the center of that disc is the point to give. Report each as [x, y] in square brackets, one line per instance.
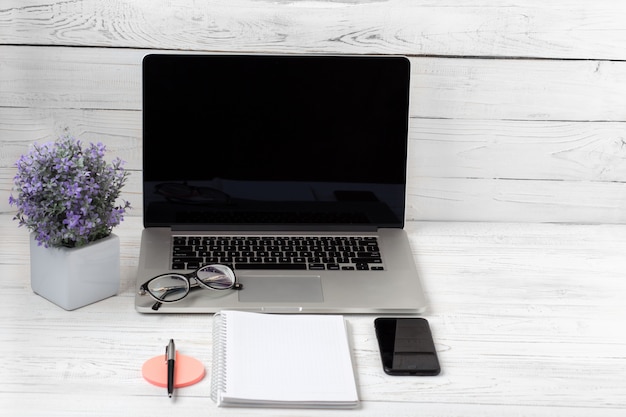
[295, 358]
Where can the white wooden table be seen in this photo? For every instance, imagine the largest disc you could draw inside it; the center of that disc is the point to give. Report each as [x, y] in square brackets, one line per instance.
[528, 319]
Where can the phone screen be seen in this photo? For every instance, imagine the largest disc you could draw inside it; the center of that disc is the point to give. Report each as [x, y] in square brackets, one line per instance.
[406, 346]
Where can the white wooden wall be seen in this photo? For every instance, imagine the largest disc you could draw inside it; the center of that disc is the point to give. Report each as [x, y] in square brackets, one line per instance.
[518, 107]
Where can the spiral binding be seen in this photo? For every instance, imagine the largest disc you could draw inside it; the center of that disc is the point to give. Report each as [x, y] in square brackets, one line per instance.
[218, 373]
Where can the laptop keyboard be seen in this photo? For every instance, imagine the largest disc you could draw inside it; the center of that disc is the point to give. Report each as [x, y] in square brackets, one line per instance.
[278, 252]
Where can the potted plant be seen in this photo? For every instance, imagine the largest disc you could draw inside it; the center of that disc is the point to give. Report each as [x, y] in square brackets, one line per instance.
[67, 196]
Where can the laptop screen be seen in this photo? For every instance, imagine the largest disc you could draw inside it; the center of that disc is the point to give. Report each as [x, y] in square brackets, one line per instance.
[260, 141]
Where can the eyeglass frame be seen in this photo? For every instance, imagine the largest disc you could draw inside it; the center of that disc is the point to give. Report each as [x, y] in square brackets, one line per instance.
[143, 289]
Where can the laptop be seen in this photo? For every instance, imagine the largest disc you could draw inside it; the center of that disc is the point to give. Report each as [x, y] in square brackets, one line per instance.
[290, 169]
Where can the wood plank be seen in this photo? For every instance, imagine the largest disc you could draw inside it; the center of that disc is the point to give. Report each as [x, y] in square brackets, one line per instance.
[467, 199]
[119, 130]
[534, 28]
[460, 199]
[88, 78]
[447, 148]
[92, 78]
[509, 149]
[458, 169]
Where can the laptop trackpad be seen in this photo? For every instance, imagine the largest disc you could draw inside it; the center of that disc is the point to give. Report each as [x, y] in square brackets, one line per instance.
[307, 289]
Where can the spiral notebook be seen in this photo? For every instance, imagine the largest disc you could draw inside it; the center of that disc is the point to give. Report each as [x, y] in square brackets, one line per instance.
[292, 361]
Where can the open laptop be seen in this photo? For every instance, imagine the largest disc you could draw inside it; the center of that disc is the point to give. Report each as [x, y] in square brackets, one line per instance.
[244, 155]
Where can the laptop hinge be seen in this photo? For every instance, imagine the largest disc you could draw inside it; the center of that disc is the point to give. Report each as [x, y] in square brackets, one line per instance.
[274, 228]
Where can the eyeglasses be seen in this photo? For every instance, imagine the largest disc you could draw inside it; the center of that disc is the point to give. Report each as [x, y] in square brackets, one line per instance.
[173, 287]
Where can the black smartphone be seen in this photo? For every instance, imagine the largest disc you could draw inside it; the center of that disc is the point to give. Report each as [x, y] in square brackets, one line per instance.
[406, 346]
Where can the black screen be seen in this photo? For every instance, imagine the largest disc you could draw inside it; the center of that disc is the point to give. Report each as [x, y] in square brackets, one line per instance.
[274, 140]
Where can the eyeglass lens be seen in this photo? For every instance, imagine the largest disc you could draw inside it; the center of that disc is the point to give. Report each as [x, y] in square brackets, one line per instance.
[218, 277]
[169, 288]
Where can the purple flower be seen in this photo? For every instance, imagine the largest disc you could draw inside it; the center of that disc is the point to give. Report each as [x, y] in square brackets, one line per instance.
[66, 194]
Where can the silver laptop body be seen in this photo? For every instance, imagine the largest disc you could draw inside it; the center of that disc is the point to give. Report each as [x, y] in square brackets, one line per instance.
[249, 151]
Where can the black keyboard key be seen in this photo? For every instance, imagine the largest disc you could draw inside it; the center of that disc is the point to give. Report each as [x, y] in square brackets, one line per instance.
[366, 260]
[194, 265]
[291, 266]
[368, 255]
[186, 254]
[183, 248]
[188, 259]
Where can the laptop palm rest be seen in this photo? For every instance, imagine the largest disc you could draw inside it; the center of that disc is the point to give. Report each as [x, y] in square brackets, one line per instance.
[280, 289]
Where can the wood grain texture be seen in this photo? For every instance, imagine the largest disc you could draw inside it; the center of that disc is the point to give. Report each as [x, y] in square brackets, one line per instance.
[439, 147]
[447, 148]
[459, 199]
[526, 320]
[458, 169]
[569, 29]
[451, 88]
[517, 109]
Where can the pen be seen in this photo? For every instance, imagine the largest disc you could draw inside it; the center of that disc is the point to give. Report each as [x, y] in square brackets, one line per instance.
[170, 354]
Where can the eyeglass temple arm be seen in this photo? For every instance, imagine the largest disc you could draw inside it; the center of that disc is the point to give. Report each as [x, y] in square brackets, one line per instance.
[158, 304]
